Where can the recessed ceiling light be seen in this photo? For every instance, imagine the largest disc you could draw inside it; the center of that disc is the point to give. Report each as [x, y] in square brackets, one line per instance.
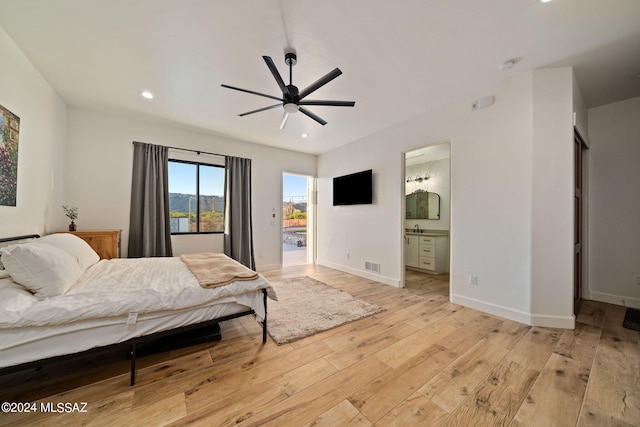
[304, 135]
[545, 1]
[146, 94]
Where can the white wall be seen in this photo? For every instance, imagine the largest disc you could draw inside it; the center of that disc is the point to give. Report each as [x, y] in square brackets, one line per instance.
[614, 208]
[580, 111]
[42, 138]
[492, 197]
[350, 235]
[552, 198]
[100, 155]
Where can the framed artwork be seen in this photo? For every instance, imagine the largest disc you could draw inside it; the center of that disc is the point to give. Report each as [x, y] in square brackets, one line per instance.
[9, 132]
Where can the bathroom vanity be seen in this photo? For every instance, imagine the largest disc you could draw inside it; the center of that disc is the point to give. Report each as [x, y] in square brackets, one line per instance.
[427, 250]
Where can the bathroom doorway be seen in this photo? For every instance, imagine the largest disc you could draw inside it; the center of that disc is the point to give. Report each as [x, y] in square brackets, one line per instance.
[427, 202]
[298, 219]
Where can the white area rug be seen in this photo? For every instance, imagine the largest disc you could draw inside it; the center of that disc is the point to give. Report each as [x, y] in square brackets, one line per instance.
[307, 306]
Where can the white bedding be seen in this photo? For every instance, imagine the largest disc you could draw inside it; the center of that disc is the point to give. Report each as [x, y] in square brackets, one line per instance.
[121, 286]
[162, 292]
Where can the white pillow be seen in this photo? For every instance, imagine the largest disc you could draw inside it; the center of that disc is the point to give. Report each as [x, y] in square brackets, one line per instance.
[74, 246]
[14, 297]
[43, 269]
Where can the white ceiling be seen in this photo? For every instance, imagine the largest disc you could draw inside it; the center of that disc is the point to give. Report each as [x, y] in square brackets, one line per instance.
[426, 154]
[399, 59]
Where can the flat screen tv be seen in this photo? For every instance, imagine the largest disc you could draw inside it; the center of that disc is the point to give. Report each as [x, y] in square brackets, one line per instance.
[353, 189]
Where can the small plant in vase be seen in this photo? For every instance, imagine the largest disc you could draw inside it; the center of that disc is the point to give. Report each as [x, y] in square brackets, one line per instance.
[72, 213]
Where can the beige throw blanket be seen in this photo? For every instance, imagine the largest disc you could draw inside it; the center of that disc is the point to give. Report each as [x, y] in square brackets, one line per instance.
[213, 269]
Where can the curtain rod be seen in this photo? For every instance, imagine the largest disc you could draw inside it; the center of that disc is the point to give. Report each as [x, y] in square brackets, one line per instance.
[188, 149]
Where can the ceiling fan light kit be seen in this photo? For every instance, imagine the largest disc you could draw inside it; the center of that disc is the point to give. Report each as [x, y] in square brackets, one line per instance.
[292, 99]
[290, 108]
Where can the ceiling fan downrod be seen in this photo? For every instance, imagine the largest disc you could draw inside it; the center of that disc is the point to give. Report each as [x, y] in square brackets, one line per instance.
[291, 59]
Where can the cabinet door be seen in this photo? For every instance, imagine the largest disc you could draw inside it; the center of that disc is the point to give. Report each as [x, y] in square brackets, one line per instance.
[412, 251]
[427, 240]
[105, 243]
[428, 250]
[427, 263]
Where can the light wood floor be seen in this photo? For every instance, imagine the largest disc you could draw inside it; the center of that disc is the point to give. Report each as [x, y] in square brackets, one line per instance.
[424, 361]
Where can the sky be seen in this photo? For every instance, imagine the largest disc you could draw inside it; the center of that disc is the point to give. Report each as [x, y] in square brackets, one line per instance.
[294, 188]
[182, 179]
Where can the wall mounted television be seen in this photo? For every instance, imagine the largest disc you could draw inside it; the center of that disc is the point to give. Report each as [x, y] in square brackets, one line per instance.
[353, 189]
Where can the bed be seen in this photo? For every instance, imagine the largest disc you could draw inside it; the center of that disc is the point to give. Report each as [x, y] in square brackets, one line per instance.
[59, 300]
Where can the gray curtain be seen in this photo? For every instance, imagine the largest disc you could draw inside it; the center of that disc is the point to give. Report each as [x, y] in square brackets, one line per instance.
[149, 227]
[238, 232]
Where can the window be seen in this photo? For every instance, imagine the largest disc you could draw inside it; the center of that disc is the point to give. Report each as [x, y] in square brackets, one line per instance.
[196, 197]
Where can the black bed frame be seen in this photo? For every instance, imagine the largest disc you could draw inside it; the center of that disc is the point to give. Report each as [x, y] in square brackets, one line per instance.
[133, 342]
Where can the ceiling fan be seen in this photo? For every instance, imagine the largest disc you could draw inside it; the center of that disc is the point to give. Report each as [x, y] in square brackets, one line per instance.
[292, 99]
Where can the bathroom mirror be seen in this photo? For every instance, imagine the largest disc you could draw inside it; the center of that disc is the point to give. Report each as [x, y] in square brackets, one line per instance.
[423, 205]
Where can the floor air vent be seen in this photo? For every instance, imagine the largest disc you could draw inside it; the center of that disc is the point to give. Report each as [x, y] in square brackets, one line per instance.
[373, 267]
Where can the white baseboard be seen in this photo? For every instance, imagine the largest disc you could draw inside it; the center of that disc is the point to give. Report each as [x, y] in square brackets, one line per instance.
[615, 299]
[361, 273]
[562, 322]
[497, 310]
[515, 315]
[267, 267]
[546, 321]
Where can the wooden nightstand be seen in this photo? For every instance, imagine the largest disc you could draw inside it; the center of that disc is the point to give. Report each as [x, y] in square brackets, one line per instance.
[105, 242]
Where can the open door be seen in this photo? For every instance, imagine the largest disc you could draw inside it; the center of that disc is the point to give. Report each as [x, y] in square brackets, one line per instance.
[298, 219]
[578, 235]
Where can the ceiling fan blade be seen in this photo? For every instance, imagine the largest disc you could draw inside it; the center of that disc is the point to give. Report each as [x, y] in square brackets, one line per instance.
[320, 82]
[276, 75]
[253, 93]
[283, 122]
[313, 116]
[330, 103]
[260, 109]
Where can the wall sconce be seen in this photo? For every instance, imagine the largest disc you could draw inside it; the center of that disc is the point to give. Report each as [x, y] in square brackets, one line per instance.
[424, 178]
[419, 178]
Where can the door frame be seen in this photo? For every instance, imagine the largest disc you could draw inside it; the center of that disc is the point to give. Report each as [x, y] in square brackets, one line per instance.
[581, 221]
[312, 224]
[403, 210]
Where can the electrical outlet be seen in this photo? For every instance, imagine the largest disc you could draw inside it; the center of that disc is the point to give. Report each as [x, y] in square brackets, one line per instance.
[348, 255]
[473, 279]
[638, 283]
